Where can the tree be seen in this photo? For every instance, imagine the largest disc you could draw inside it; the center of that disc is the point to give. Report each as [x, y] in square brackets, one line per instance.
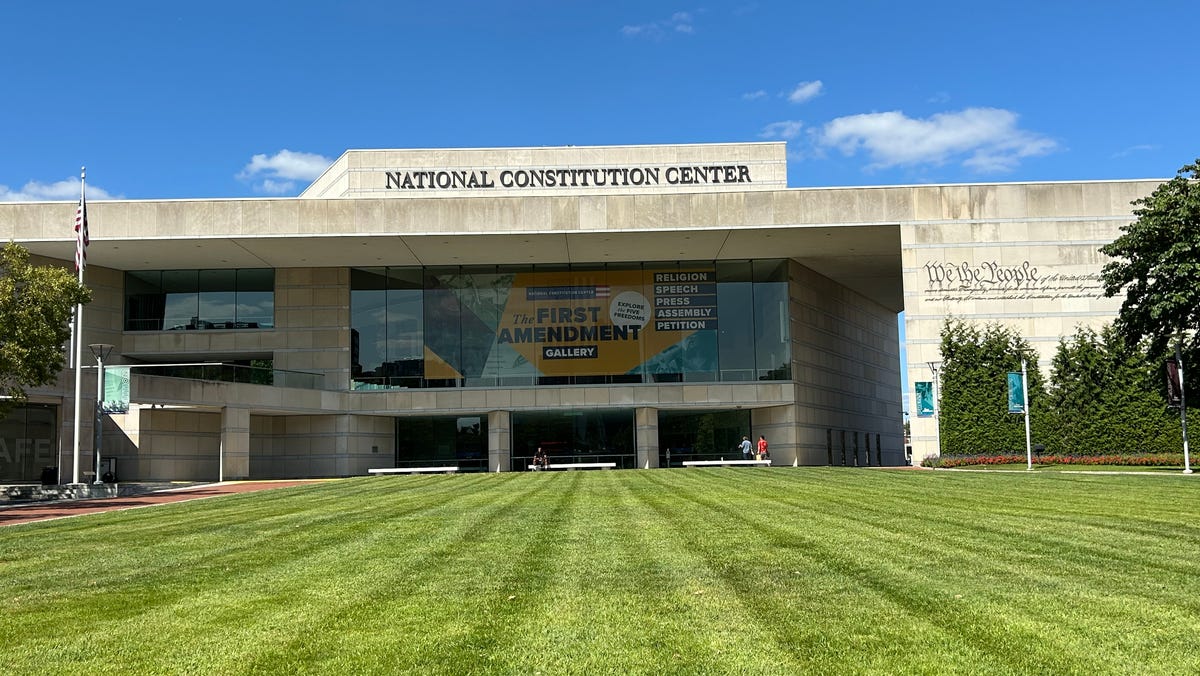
[1156, 262]
[36, 303]
[1105, 397]
[974, 417]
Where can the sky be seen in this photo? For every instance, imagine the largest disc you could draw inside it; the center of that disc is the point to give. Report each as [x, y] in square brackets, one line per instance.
[242, 99]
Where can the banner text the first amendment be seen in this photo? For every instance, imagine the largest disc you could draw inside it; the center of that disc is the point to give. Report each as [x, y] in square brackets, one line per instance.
[480, 179]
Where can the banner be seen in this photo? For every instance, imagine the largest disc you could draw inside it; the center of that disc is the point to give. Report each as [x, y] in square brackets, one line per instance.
[1174, 387]
[116, 390]
[1016, 392]
[564, 323]
[925, 403]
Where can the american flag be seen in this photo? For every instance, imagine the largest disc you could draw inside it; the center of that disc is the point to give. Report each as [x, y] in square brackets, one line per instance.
[602, 291]
[81, 231]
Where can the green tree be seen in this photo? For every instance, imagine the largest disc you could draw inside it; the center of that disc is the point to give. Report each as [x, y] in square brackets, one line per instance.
[1104, 398]
[974, 415]
[36, 303]
[1156, 263]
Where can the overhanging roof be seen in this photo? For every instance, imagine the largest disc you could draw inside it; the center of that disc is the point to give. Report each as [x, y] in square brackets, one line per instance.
[865, 258]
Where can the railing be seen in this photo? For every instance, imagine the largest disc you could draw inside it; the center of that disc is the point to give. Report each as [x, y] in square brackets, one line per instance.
[236, 373]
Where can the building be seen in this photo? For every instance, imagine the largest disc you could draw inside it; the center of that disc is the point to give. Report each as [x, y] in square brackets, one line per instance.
[639, 304]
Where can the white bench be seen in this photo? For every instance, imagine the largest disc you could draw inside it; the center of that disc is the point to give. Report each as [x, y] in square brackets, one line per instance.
[722, 462]
[414, 470]
[579, 465]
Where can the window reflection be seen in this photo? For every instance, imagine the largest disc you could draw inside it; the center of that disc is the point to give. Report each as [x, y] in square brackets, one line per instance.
[176, 300]
[489, 326]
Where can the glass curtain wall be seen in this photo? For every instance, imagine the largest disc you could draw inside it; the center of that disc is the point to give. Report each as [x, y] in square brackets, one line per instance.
[574, 436]
[174, 300]
[488, 326]
[442, 441]
[700, 435]
[28, 438]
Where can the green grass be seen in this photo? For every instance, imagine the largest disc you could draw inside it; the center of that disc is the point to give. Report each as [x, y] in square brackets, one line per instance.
[682, 571]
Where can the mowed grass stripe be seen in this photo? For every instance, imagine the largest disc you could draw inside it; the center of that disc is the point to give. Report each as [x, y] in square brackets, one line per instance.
[733, 570]
[808, 590]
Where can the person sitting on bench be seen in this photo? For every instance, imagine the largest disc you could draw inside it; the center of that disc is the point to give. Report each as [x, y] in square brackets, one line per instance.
[540, 459]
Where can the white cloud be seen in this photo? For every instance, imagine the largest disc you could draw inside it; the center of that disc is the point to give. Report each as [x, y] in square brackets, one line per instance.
[754, 96]
[987, 139]
[276, 174]
[786, 129]
[680, 22]
[939, 97]
[64, 190]
[1140, 148]
[272, 187]
[805, 91]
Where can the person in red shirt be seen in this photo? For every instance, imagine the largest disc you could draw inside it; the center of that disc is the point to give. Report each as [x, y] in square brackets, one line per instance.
[762, 449]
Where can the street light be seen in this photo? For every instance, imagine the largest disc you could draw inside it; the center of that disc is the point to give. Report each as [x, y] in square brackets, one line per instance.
[937, 406]
[101, 352]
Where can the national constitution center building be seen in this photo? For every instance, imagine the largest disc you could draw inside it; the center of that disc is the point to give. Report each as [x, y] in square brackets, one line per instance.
[642, 305]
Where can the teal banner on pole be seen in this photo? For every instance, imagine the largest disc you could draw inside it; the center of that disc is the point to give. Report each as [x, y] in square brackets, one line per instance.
[116, 390]
[925, 405]
[1016, 392]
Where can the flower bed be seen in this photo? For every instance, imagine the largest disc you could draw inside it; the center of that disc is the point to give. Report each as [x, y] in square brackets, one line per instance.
[1125, 460]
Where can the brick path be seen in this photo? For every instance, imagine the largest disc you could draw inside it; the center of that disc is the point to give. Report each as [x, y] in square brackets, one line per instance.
[42, 511]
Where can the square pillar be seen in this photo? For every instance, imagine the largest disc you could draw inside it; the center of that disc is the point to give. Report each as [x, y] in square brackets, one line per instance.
[646, 437]
[235, 444]
[499, 441]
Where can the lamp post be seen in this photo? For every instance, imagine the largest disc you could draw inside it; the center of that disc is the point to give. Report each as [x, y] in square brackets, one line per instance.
[937, 406]
[1187, 461]
[101, 352]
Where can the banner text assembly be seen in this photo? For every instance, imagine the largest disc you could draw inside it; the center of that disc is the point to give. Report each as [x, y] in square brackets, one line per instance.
[480, 179]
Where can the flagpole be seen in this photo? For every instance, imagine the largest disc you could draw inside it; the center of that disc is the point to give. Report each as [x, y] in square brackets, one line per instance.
[77, 330]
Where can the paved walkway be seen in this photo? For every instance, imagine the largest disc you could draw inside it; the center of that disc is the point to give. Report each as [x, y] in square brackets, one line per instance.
[58, 509]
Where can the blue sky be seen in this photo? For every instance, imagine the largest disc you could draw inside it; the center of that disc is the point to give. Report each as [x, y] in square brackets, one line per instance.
[230, 99]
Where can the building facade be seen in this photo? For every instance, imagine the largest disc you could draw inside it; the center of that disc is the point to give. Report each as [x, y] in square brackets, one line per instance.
[641, 305]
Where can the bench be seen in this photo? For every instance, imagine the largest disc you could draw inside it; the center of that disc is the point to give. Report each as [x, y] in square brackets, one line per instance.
[723, 462]
[579, 465]
[414, 470]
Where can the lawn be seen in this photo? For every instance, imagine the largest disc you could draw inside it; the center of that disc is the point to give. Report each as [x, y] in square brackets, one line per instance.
[734, 570]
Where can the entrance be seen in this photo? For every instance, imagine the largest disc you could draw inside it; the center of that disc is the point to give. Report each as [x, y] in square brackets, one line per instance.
[700, 435]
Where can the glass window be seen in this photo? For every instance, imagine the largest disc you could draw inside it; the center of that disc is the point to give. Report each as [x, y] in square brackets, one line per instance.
[735, 302]
[144, 300]
[574, 436]
[772, 344]
[27, 439]
[443, 340]
[404, 358]
[180, 288]
[442, 440]
[217, 299]
[489, 326]
[368, 319]
[255, 299]
[700, 435]
[176, 300]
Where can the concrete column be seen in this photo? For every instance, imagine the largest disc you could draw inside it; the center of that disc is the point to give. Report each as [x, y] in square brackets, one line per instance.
[235, 444]
[778, 425]
[499, 441]
[646, 437]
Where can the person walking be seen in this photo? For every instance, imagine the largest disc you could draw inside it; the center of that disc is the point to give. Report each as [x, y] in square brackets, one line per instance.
[747, 449]
[762, 448]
